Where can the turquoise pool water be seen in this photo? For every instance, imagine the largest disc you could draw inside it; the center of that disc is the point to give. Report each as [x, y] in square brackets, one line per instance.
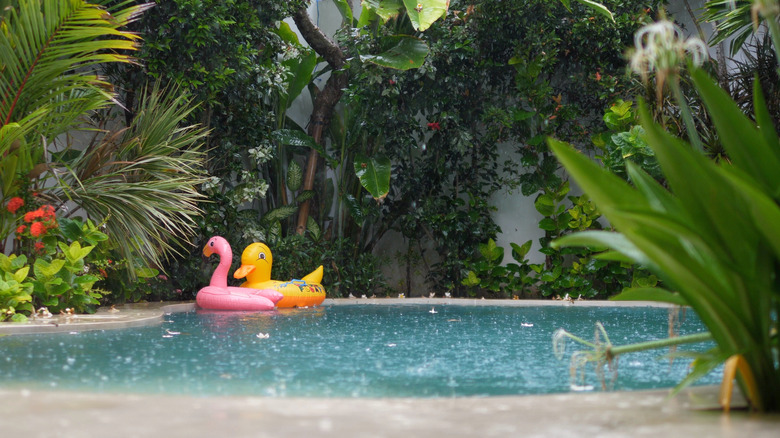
[345, 351]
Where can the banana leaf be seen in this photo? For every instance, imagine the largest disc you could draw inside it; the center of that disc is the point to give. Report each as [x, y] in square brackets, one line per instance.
[405, 52]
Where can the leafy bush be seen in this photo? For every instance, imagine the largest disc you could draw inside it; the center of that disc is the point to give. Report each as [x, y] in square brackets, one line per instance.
[625, 141]
[54, 266]
[495, 75]
[489, 277]
[15, 289]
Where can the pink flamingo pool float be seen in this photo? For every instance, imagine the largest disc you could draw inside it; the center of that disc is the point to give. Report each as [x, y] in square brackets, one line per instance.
[219, 296]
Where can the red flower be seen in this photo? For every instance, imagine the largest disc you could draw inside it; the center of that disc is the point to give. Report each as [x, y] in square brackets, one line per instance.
[32, 215]
[47, 211]
[20, 229]
[392, 82]
[37, 229]
[598, 76]
[434, 126]
[15, 204]
[39, 246]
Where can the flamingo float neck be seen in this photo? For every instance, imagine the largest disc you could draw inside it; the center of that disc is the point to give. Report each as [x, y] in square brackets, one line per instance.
[221, 247]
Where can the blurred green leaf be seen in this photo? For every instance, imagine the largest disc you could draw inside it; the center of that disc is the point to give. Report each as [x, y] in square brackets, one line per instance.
[650, 294]
[423, 13]
[406, 53]
[374, 174]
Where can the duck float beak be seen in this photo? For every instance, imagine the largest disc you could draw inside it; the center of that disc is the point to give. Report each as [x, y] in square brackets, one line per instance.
[243, 271]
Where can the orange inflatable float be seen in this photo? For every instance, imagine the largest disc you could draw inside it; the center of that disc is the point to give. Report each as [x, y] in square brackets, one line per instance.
[256, 263]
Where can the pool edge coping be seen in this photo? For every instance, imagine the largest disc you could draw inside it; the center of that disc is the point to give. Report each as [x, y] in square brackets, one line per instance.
[147, 314]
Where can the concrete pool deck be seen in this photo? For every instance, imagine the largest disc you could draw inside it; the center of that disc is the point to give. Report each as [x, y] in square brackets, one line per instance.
[33, 413]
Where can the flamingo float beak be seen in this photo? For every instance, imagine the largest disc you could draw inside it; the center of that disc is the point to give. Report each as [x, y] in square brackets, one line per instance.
[243, 271]
[207, 251]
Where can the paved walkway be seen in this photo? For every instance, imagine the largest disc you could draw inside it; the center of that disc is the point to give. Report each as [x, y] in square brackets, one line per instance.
[617, 414]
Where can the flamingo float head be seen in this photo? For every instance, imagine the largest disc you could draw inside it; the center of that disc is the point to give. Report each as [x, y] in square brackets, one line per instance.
[217, 245]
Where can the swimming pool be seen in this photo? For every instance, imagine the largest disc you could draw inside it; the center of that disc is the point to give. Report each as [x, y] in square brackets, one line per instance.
[344, 351]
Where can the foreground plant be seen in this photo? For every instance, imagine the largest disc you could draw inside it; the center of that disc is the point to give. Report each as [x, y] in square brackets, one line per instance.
[713, 237]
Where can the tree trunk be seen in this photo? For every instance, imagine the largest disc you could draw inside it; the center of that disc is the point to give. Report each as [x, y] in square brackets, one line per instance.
[324, 101]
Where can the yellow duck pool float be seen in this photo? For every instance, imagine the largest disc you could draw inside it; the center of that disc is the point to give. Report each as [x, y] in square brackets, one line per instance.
[256, 262]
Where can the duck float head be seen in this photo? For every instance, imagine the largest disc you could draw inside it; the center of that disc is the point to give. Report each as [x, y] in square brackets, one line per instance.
[256, 264]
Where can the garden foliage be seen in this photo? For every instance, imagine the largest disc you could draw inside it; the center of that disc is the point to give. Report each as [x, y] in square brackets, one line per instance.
[494, 76]
[430, 176]
[712, 236]
[59, 149]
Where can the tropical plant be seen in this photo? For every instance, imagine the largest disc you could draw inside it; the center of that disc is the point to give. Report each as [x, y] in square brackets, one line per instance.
[393, 23]
[760, 62]
[447, 162]
[623, 141]
[574, 272]
[143, 180]
[732, 18]
[15, 288]
[49, 50]
[55, 268]
[662, 48]
[138, 182]
[712, 237]
[738, 19]
[224, 55]
[489, 275]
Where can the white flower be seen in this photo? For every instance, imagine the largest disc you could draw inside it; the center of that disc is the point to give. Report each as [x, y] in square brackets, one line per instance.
[662, 47]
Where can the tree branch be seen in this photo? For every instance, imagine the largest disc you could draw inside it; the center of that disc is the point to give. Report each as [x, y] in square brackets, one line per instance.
[318, 41]
[324, 102]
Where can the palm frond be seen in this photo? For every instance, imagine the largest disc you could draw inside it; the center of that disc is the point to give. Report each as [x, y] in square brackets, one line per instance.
[732, 19]
[48, 49]
[147, 183]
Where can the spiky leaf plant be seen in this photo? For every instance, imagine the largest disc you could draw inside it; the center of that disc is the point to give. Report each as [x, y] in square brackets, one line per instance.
[143, 181]
[140, 181]
[713, 236]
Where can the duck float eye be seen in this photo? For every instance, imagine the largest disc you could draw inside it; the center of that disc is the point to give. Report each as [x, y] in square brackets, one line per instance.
[261, 256]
